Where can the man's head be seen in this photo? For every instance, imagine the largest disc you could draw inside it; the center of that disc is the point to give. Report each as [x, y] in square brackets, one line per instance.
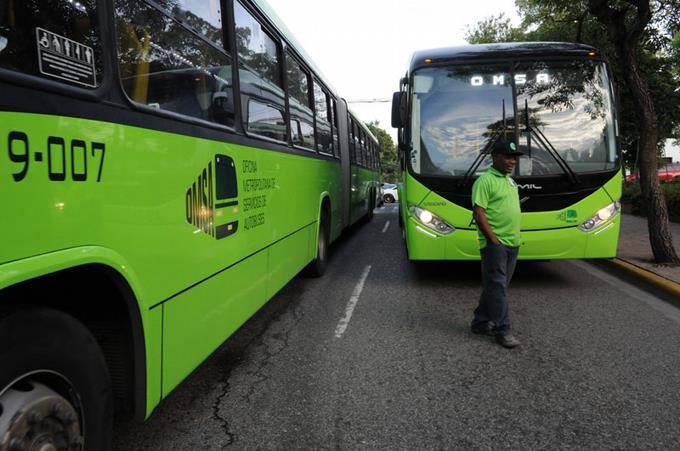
[504, 154]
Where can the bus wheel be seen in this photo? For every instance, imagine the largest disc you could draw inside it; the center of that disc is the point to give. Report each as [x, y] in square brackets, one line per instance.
[55, 391]
[371, 205]
[317, 267]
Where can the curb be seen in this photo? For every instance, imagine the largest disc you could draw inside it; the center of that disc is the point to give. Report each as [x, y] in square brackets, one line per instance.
[656, 280]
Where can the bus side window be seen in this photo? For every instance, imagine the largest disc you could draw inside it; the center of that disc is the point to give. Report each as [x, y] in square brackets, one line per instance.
[67, 35]
[354, 143]
[376, 158]
[324, 139]
[362, 146]
[301, 115]
[260, 78]
[163, 65]
[336, 139]
[372, 155]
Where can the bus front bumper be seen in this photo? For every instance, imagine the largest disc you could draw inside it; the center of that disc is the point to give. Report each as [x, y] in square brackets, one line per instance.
[562, 243]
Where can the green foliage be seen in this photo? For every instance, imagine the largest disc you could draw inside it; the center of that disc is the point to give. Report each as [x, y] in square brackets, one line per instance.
[672, 192]
[493, 29]
[632, 195]
[389, 163]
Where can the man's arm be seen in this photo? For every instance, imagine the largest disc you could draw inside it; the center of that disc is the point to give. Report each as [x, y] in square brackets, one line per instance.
[479, 214]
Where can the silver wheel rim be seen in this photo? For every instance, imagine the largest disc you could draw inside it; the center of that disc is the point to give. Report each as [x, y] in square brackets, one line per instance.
[33, 417]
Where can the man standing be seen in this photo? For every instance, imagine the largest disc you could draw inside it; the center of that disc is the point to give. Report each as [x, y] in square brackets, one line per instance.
[496, 210]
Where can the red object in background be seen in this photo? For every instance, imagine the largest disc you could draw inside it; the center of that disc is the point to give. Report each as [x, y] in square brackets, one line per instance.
[664, 175]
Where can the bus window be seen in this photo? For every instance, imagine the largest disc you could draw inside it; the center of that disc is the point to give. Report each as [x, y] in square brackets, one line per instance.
[336, 142]
[352, 129]
[265, 120]
[260, 76]
[366, 150]
[301, 116]
[165, 66]
[59, 41]
[376, 159]
[362, 140]
[204, 16]
[324, 140]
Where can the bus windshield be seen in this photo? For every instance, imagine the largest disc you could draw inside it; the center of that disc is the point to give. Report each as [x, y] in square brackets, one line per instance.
[561, 116]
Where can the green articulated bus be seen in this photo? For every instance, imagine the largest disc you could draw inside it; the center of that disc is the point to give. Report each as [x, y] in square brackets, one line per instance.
[555, 101]
[166, 167]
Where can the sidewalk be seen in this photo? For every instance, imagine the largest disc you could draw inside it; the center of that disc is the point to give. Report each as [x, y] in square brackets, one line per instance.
[634, 254]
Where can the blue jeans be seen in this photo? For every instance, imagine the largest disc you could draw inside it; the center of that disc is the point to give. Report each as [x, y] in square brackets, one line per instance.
[498, 264]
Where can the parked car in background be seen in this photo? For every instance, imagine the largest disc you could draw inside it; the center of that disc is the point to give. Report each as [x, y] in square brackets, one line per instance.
[667, 173]
[389, 193]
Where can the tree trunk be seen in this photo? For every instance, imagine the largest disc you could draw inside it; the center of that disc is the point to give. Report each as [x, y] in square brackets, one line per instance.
[660, 237]
[626, 34]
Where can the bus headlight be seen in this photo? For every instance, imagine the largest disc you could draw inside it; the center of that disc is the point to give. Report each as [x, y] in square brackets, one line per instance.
[603, 215]
[430, 220]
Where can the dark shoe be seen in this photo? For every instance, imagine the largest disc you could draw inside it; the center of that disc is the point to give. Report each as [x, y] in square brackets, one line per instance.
[507, 341]
[482, 329]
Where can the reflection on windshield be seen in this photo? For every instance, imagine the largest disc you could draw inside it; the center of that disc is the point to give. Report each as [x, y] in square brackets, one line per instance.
[458, 110]
[573, 110]
[457, 116]
[203, 16]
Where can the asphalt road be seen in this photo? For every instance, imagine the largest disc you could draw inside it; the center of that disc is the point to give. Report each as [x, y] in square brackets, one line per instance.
[332, 363]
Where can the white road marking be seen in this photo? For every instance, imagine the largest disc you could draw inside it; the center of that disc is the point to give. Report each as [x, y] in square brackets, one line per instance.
[387, 225]
[344, 322]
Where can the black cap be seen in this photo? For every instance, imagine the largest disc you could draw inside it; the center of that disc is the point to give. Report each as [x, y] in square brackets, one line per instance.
[505, 147]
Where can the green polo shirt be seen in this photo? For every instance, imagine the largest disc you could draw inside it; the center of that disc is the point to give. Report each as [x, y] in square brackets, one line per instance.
[497, 194]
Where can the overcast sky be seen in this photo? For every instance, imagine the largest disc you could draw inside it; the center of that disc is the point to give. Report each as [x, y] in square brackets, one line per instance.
[363, 46]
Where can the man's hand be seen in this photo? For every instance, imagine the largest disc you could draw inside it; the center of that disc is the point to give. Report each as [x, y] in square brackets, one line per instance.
[479, 214]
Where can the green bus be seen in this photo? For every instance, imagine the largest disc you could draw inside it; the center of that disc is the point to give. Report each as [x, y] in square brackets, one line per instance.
[555, 101]
[166, 167]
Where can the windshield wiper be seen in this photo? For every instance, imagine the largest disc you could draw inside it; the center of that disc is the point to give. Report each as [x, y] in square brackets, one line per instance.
[485, 151]
[480, 158]
[546, 144]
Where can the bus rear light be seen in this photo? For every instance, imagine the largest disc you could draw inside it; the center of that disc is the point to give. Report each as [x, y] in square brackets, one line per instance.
[600, 217]
[430, 220]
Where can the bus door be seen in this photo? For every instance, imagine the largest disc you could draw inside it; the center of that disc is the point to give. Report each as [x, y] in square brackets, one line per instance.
[343, 132]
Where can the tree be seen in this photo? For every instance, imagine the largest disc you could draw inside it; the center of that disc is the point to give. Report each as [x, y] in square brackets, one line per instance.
[626, 25]
[388, 155]
[494, 29]
[640, 38]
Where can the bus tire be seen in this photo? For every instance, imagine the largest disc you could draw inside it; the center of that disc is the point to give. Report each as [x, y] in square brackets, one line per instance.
[54, 383]
[317, 267]
[371, 205]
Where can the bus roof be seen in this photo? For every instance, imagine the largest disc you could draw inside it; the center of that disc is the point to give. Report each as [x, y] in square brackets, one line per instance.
[500, 51]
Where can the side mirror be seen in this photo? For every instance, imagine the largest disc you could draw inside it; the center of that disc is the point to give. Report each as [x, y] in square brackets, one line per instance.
[399, 109]
[220, 99]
